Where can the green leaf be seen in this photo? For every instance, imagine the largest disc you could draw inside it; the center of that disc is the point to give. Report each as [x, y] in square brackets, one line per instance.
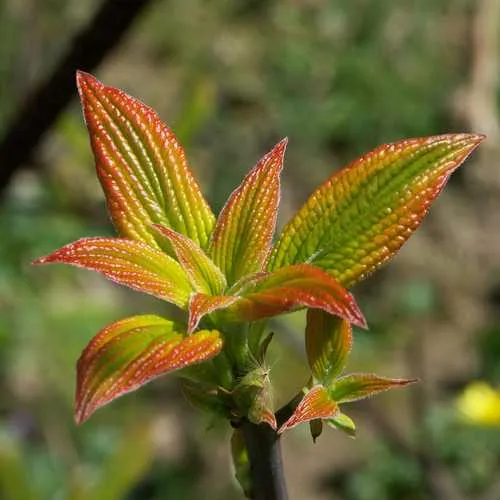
[142, 167]
[204, 275]
[242, 237]
[362, 215]
[357, 386]
[127, 262]
[253, 395]
[317, 403]
[263, 346]
[206, 397]
[344, 423]
[328, 344]
[129, 353]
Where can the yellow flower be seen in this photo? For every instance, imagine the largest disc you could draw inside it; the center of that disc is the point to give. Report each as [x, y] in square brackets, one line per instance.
[480, 404]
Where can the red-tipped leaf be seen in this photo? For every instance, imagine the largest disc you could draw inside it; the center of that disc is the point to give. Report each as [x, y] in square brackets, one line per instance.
[328, 344]
[291, 288]
[264, 295]
[204, 275]
[242, 236]
[316, 404]
[357, 386]
[363, 214]
[201, 305]
[142, 167]
[131, 352]
[266, 416]
[127, 262]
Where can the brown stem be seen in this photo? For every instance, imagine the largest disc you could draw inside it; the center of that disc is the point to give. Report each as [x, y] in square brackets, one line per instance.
[266, 465]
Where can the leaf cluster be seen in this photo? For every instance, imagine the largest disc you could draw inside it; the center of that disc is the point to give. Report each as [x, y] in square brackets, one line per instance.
[229, 275]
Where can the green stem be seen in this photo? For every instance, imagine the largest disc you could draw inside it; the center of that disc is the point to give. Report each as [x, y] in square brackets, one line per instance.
[266, 465]
[237, 347]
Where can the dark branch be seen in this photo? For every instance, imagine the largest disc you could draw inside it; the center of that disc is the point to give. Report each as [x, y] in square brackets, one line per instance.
[266, 466]
[43, 106]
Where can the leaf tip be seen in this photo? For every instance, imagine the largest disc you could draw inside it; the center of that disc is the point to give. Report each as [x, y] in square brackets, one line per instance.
[359, 319]
[82, 75]
[84, 79]
[410, 381]
[355, 315]
[79, 417]
[280, 148]
[47, 259]
[282, 144]
[472, 141]
[465, 144]
[477, 138]
[193, 313]
[83, 410]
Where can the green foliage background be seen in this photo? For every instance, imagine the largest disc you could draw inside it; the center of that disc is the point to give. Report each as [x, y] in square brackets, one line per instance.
[232, 78]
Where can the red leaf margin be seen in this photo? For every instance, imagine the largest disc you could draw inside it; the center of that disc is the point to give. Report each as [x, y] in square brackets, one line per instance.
[149, 180]
[242, 237]
[316, 404]
[290, 288]
[355, 386]
[318, 233]
[269, 294]
[111, 365]
[127, 262]
[200, 305]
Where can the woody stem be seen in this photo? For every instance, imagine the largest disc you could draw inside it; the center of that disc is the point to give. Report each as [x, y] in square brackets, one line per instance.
[266, 465]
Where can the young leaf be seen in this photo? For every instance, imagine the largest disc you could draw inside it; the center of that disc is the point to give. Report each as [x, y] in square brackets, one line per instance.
[363, 214]
[260, 414]
[253, 395]
[328, 344]
[142, 167]
[206, 397]
[201, 304]
[357, 386]
[129, 353]
[204, 275]
[290, 288]
[128, 262]
[241, 240]
[268, 294]
[344, 423]
[317, 403]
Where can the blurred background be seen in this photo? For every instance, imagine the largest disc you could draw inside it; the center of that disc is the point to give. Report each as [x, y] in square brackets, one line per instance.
[338, 77]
